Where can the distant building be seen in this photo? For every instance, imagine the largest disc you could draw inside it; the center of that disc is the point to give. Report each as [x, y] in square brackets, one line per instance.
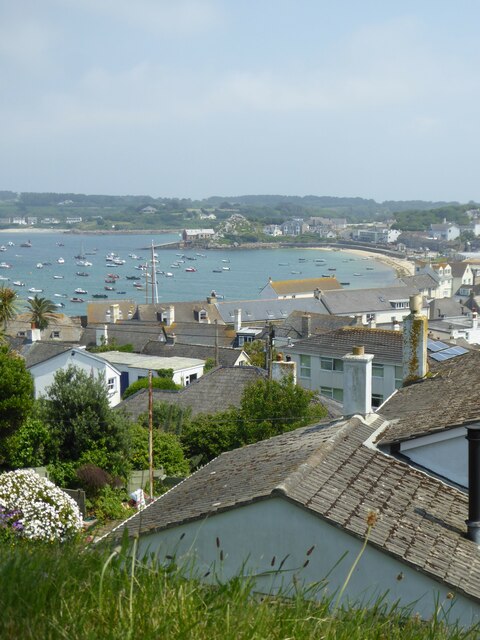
[75, 220]
[272, 230]
[446, 231]
[192, 235]
[149, 209]
[299, 288]
[294, 227]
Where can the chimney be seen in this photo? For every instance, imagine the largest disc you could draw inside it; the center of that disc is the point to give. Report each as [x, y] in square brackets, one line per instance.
[317, 293]
[237, 319]
[372, 323]
[396, 325]
[306, 326]
[283, 368]
[474, 320]
[169, 315]
[113, 314]
[171, 338]
[359, 321]
[34, 334]
[357, 382]
[101, 335]
[415, 328]
[473, 522]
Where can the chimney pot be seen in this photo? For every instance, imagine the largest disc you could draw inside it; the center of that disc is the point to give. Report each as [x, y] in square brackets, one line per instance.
[358, 350]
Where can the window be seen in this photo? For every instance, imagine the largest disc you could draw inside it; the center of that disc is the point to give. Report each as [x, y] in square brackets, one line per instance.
[305, 367]
[398, 377]
[55, 334]
[111, 384]
[377, 370]
[370, 317]
[330, 392]
[331, 364]
[377, 399]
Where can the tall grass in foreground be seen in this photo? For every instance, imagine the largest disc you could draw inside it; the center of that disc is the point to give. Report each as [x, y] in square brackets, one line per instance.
[69, 592]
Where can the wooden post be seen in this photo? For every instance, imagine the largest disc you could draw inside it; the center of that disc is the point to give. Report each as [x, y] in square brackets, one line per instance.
[216, 343]
[150, 431]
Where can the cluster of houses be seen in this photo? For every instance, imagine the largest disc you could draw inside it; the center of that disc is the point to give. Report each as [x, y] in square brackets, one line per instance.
[392, 464]
[30, 221]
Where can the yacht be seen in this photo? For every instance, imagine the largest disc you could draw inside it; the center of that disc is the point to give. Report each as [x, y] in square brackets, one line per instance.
[58, 277]
[33, 290]
[3, 247]
[61, 261]
[39, 265]
[80, 290]
[17, 283]
[5, 265]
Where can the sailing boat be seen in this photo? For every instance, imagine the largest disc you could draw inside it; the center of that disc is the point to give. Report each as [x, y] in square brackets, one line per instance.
[81, 255]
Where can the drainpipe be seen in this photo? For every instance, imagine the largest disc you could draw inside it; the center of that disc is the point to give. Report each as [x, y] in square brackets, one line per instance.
[473, 522]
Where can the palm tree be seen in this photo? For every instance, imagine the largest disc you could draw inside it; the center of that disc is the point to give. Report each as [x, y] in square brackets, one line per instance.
[8, 305]
[41, 310]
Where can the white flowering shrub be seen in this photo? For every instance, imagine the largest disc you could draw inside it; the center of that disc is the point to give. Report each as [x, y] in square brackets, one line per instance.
[33, 507]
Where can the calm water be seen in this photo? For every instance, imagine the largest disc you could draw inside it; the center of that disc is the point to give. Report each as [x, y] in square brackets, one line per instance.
[241, 273]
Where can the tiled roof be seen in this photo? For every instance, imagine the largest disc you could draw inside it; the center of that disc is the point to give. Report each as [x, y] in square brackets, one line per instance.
[335, 475]
[366, 300]
[445, 399]
[384, 344]
[284, 287]
[216, 391]
[226, 355]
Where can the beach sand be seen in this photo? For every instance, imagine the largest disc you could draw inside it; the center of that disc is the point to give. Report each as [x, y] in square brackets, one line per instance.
[402, 267]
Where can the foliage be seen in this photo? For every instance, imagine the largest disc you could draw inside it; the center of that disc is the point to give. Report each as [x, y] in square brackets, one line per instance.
[83, 425]
[46, 512]
[256, 352]
[112, 345]
[167, 451]
[209, 365]
[41, 312]
[167, 417]
[29, 446]
[63, 474]
[207, 436]
[109, 504]
[269, 408]
[8, 305]
[165, 374]
[16, 392]
[157, 383]
[98, 595]
[92, 478]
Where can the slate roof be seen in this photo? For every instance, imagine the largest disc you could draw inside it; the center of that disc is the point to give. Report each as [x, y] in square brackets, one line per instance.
[226, 355]
[447, 307]
[458, 268]
[124, 332]
[36, 352]
[351, 301]
[385, 345]
[266, 310]
[333, 473]
[319, 323]
[216, 391]
[421, 281]
[184, 311]
[96, 310]
[444, 400]
[305, 285]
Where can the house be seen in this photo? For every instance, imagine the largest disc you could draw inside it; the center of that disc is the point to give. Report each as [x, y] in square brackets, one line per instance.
[369, 506]
[298, 288]
[300, 325]
[319, 498]
[272, 230]
[320, 366]
[445, 231]
[227, 356]
[462, 278]
[193, 235]
[149, 209]
[218, 390]
[427, 284]
[61, 327]
[74, 220]
[376, 234]
[294, 227]
[44, 359]
[134, 366]
[442, 271]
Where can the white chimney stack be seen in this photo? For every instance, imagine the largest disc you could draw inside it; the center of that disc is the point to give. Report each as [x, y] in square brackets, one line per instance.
[415, 334]
[357, 382]
[101, 335]
[34, 334]
[283, 368]
[474, 320]
[237, 319]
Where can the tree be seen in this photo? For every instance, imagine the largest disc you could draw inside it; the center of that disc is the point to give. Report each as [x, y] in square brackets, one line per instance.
[84, 428]
[8, 305]
[269, 408]
[167, 451]
[256, 350]
[167, 417]
[207, 436]
[42, 311]
[16, 392]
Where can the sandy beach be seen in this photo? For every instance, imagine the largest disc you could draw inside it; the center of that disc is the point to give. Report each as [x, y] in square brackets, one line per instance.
[402, 267]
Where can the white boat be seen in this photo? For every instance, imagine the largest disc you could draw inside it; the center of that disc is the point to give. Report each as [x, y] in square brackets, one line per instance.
[58, 277]
[61, 261]
[39, 265]
[60, 295]
[4, 278]
[83, 263]
[5, 265]
[3, 247]
[17, 283]
[169, 274]
[79, 290]
[226, 268]
[33, 290]
[11, 244]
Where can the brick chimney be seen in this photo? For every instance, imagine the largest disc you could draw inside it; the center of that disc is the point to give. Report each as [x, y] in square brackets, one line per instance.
[415, 330]
[357, 382]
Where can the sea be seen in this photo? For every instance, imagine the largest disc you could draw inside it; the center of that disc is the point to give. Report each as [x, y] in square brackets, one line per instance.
[50, 267]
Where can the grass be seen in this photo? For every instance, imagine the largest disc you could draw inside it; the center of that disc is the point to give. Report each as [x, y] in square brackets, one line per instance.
[52, 592]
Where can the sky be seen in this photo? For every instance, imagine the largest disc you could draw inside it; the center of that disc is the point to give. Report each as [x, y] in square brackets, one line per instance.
[193, 98]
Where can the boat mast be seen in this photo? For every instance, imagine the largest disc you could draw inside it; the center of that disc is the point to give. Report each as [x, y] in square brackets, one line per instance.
[154, 276]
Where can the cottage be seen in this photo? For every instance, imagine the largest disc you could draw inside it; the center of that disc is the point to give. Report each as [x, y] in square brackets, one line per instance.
[301, 288]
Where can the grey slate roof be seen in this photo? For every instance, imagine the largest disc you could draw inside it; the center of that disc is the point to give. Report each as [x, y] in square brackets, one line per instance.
[226, 355]
[445, 399]
[331, 472]
[216, 391]
[448, 307]
[421, 281]
[37, 352]
[353, 301]
[319, 323]
[385, 345]
[124, 332]
[184, 311]
[266, 310]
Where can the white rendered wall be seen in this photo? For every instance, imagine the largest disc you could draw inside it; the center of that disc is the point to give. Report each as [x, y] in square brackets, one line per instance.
[256, 538]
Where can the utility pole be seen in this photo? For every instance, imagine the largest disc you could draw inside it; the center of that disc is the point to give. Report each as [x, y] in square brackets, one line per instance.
[150, 432]
[271, 338]
[216, 343]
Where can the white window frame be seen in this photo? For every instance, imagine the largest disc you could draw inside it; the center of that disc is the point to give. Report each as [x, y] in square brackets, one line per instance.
[305, 366]
[378, 366]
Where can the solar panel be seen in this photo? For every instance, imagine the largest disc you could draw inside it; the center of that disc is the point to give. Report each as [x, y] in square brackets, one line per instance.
[440, 356]
[436, 345]
[455, 351]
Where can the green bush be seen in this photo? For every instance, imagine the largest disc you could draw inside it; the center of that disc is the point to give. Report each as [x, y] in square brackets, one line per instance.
[167, 451]
[207, 436]
[110, 504]
[157, 383]
[30, 446]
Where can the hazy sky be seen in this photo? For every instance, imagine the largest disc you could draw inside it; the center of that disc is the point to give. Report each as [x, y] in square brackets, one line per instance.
[191, 98]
